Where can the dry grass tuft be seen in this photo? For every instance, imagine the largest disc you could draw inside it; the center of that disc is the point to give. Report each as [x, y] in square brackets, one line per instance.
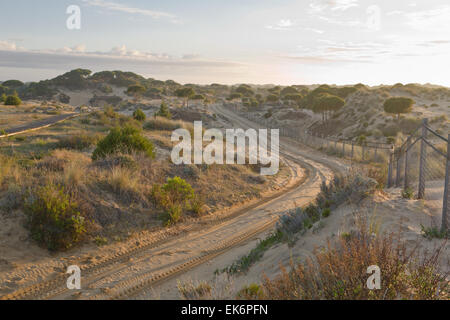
[340, 272]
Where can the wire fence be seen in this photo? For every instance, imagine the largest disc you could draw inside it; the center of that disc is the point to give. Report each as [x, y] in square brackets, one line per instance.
[359, 150]
[420, 166]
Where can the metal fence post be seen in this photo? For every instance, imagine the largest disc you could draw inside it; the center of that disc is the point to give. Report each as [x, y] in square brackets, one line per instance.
[353, 149]
[399, 163]
[408, 144]
[376, 153]
[423, 160]
[343, 149]
[391, 156]
[445, 207]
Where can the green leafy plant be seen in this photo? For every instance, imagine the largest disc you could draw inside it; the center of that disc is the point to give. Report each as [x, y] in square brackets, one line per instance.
[434, 233]
[326, 212]
[54, 220]
[139, 115]
[13, 101]
[163, 111]
[408, 193]
[175, 197]
[251, 292]
[123, 141]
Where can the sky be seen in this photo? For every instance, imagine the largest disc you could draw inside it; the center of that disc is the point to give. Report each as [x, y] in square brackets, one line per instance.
[229, 41]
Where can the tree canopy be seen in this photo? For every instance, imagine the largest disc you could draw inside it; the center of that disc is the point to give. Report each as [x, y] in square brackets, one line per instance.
[326, 102]
[245, 90]
[272, 98]
[135, 90]
[185, 92]
[14, 84]
[289, 91]
[398, 105]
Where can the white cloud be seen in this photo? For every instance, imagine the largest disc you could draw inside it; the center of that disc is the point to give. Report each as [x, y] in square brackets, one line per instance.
[288, 24]
[113, 6]
[334, 12]
[76, 49]
[283, 24]
[320, 6]
[8, 46]
[434, 20]
[74, 57]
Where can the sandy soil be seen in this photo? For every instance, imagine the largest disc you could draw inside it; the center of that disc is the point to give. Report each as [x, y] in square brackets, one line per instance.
[165, 256]
[388, 209]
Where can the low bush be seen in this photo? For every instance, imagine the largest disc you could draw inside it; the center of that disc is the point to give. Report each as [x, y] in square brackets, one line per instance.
[434, 233]
[125, 140]
[176, 197]
[296, 222]
[191, 291]
[54, 220]
[13, 101]
[408, 193]
[163, 112]
[340, 273]
[139, 115]
[250, 292]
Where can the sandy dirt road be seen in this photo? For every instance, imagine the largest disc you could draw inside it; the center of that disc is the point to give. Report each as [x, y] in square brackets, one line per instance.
[153, 269]
[38, 124]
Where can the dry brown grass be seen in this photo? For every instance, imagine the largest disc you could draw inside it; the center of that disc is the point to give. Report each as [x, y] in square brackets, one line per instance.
[339, 272]
[164, 124]
[113, 193]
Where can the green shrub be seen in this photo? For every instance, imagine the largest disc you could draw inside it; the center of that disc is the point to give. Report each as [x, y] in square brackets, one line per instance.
[13, 101]
[407, 193]
[53, 219]
[110, 113]
[164, 111]
[250, 292]
[434, 233]
[124, 141]
[139, 115]
[326, 212]
[3, 98]
[100, 241]
[175, 197]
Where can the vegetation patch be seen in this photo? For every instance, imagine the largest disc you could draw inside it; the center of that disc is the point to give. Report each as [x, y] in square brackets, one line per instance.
[296, 222]
[125, 140]
[53, 218]
[340, 273]
[176, 197]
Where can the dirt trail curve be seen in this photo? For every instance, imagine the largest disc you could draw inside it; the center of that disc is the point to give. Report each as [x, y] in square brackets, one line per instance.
[159, 261]
[38, 124]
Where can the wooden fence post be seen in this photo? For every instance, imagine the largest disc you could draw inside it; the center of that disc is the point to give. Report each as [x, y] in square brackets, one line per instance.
[423, 160]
